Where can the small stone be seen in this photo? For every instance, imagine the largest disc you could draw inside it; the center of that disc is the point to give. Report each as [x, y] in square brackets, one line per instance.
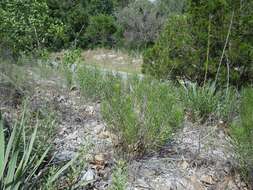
[99, 159]
[105, 135]
[88, 176]
[195, 183]
[184, 165]
[142, 183]
[61, 99]
[207, 179]
[78, 120]
[90, 110]
[98, 128]
[65, 155]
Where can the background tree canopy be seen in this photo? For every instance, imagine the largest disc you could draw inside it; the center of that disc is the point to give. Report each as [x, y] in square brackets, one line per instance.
[207, 39]
[212, 41]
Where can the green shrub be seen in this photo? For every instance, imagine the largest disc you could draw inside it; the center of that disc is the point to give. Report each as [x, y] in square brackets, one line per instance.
[173, 54]
[96, 84]
[70, 61]
[143, 115]
[141, 23]
[212, 23]
[101, 31]
[228, 107]
[211, 43]
[17, 164]
[242, 132]
[24, 153]
[200, 101]
[26, 25]
[119, 177]
[76, 17]
[209, 102]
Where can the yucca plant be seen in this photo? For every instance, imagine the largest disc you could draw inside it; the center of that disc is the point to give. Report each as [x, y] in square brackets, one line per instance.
[200, 101]
[19, 162]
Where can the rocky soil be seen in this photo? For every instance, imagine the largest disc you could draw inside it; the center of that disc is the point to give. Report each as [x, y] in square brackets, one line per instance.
[199, 157]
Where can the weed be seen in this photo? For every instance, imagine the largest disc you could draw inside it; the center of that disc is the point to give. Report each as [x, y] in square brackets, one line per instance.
[95, 84]
[242, 132]
[143, 115]
[142, 112]
[200, 101]
[228, 107]
[119, 177]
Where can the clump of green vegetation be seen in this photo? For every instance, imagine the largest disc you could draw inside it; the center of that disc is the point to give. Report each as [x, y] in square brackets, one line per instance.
[172, 55]
[205, 44]
[208, 102]
[102, 31]
[119, 177]
[69, 63]
[21, 159]
[27, 26]
[228, 107]
[17, 164]
[242, 132]
[200, 101]
[143, 115]
[96, 84]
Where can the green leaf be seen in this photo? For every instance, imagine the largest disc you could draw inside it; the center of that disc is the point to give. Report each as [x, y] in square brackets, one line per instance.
[2, 148]
[57, 174]
[8, 150]
[29, 150]
[11, 170]
[38, 163]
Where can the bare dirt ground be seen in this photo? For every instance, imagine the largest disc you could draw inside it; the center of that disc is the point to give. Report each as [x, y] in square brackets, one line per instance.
[199, 157]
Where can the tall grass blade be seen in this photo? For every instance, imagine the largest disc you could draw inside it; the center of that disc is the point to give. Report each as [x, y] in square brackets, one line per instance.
[29, 150]
[60, 171]
[8, 150]
[2, 148]
[11, 170]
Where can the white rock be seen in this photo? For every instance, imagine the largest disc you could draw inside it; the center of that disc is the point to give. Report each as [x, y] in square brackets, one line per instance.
[88, 176]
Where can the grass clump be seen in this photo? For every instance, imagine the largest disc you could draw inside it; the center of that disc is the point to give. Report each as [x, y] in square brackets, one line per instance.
[17, 164]
[200, 101]
[25, 153]
[242, 132]
[95, 84]
[205, 102]
[119, 177]
[144, 115]
[142, 112]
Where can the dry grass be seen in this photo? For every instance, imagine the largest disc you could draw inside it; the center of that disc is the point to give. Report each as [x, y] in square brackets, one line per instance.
[113, 60]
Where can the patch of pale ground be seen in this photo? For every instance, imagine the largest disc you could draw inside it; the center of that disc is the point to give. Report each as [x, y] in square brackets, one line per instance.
[114, 60]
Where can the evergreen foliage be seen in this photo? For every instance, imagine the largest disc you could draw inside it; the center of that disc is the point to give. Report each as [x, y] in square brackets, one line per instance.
[242, 131]
[26, 25]
[212, 42]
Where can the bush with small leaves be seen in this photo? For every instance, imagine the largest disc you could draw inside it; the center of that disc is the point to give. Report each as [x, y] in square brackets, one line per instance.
[143, 114]
[173, 54]
[102, 31]
[242, 132]
[26, 25]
